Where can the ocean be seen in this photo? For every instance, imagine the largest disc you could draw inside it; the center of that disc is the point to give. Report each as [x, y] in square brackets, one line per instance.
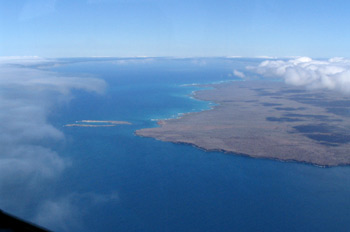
[118, 181]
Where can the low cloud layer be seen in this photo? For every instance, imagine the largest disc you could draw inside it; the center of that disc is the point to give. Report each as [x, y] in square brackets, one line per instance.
[27, 164]
[332, 74]
[65, 213]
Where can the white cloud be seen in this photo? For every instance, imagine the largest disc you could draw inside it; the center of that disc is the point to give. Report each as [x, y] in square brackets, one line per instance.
[233, 57]
[22, 59]
[66, 213]
[238, 74]
[134, 60]
[27, 165]
[59, 214]
[332, 74]
[265, 57]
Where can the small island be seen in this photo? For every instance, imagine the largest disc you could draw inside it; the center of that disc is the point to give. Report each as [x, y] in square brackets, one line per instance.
[265, 119]
[101, 121]
[97, 123]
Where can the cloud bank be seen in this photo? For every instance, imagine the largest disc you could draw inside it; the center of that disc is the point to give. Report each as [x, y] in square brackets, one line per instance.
[332, 74]
[27, 163]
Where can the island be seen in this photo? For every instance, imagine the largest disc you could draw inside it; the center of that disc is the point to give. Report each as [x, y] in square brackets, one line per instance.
[266, 119]
[102, 121]
[97, 123]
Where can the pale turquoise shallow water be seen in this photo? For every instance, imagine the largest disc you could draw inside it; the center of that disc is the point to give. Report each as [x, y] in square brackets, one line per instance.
[161, 186]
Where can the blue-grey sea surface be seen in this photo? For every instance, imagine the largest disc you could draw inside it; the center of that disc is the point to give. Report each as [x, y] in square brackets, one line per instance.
[156, 186]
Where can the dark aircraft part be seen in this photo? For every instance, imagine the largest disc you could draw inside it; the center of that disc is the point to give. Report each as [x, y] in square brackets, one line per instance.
[9, 223]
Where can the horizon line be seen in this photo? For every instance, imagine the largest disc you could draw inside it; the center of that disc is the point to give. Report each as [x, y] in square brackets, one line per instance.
[33, 57]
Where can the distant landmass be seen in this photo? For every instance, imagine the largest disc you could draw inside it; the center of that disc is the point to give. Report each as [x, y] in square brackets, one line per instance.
[266, 119]
[97, 123]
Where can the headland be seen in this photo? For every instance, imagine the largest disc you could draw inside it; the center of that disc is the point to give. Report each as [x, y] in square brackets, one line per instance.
[265, 119]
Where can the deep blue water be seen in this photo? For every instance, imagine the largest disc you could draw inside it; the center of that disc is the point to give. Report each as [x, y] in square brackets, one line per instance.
[171, 187]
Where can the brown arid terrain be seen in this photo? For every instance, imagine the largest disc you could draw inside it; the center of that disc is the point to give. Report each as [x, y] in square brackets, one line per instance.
[266, 119]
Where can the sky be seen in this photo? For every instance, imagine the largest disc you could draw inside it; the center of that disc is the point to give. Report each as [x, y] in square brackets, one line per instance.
[124, 28]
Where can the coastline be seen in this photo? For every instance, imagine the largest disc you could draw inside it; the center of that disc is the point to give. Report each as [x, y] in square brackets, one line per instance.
[224, 152]
[97, 123]
[217, 129]
[192, 95]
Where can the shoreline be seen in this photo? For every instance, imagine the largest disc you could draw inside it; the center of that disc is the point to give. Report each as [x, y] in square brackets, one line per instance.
[230, 153]
[98, 123]
[211, 104]
[202, 130]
